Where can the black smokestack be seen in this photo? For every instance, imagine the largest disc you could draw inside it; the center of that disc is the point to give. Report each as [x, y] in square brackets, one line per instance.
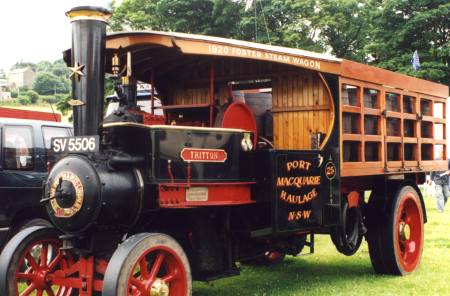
[88, 63]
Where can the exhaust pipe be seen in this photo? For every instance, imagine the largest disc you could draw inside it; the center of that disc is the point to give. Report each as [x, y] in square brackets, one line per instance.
[88, 67]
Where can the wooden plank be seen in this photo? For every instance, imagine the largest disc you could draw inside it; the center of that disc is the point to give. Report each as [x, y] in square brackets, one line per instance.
[351, 137]
[285, 116]
[351, 109]
[372, 138]
[372, 74]
[297, 126]
[392, 139]
[289, 126]
[409, 140]
[315, 103]
[301, 115]
[369, 111]
[305, 114]
[323, 119]
[302, 108]
[310, 113]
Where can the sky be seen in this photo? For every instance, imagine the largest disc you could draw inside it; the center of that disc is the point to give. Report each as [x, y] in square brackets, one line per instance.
[36, 30]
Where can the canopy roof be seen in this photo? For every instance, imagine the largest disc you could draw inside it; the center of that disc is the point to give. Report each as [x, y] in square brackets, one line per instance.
[156, 49]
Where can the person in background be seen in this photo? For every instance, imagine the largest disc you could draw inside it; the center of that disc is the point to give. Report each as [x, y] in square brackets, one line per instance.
[441, 185]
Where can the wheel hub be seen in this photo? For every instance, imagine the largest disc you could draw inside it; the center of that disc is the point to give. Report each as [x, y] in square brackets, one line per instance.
[159, 288]
[40, 279]
[404, 231]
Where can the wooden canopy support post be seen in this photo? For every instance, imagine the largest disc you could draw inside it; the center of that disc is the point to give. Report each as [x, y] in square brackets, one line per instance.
[152, 98]
[211, 95]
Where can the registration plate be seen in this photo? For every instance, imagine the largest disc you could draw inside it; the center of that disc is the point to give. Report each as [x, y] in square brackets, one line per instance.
[197, 194]
[82, 144]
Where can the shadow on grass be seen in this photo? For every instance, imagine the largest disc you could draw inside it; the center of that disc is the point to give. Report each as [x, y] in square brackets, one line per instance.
[293, 276]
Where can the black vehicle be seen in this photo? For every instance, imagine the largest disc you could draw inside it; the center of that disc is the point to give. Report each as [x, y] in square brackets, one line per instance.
[24, 157]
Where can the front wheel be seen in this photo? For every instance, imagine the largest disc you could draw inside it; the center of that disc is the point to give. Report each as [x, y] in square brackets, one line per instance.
[28, 262]
[148, 264]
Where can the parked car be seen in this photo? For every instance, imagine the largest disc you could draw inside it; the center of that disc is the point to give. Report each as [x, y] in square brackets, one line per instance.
[24, 158]
[142, 100]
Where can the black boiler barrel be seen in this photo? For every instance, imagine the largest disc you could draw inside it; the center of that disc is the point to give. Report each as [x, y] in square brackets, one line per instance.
[88, 63]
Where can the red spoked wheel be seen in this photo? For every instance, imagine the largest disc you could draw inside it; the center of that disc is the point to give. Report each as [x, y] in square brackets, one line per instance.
[396, 241]
[157, 272]
[148, 264]
[408, 236]
[29, 261]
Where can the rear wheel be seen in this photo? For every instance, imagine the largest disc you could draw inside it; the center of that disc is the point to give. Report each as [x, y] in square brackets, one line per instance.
[395, 246]
[148, 264]
[404, 237]
[28, 262]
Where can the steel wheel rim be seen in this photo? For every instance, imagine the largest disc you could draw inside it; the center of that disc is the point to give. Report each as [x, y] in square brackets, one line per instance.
[163, 267]
[40, 259]
[409, 232]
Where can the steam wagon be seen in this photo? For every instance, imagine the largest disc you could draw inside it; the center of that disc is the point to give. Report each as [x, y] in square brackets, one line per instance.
[257, 149]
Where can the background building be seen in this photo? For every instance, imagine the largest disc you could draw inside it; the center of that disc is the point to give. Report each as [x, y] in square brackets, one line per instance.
[21, 77]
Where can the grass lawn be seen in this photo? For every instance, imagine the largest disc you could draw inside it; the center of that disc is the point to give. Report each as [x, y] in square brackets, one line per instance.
[327, 272]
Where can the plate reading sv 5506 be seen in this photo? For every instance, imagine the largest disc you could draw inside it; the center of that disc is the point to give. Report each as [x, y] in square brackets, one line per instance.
[75, 144]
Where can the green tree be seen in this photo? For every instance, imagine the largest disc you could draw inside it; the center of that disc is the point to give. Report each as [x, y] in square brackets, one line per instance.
[283, 20]
[44, 66]
[63, 105]
[2, 74]
[33, 96]
[59, 68]
[403, 26]
[215, 17]
[342, 25]
[24, 100]
[22, 64]
[280, 22]
[47, 83]
[23, 89]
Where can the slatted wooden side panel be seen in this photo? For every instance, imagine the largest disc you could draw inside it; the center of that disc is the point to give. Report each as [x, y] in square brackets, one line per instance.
[197, 96]
[301, 106]
[190, 96]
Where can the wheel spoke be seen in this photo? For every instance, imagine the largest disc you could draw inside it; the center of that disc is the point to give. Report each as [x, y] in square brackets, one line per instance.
[31, 261]
[28, 290]
[64, 291]
[138, 284]
[171, 276]
[156, 266]
[143, 268]
[61, 291]
[404, 255]
[24, 276]
[44, 254]
[55, 261]
[408, 220]
[49, 291]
